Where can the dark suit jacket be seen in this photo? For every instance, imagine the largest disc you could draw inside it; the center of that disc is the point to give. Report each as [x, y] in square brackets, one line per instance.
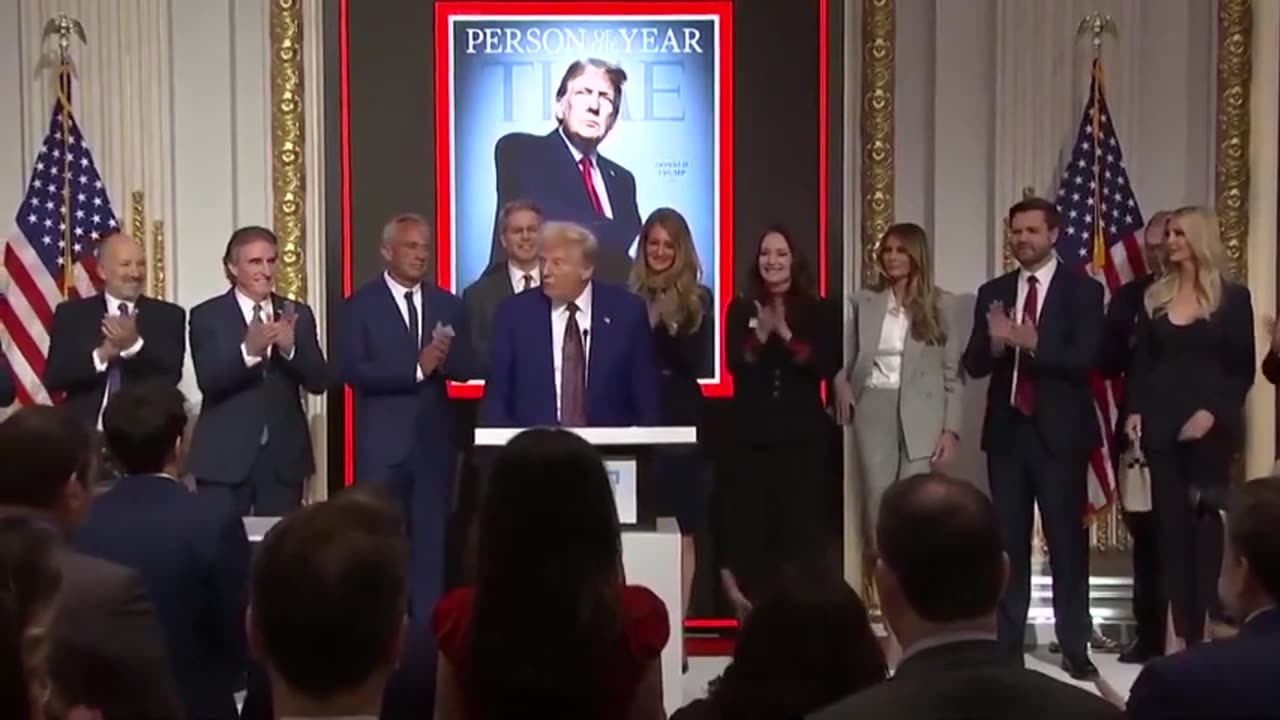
[1070, 338]
[77, 332]
[8, 385]
[193, 556]
[971, 679]
[1222, 379]
[1119, 338]
[622, 378]
[1236, 678]
[237, 398]
[777, 386]
[394, 413]
[682, 359]
[481, 299]
[109, 649]
[541, 168]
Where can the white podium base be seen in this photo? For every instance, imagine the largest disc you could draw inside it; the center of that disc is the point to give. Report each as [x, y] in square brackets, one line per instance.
[650, 558]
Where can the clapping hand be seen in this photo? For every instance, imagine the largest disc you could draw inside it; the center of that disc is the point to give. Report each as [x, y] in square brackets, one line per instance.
[999, 327]
[258, 337]
[121, 332]
[766, 322]
[282, 333]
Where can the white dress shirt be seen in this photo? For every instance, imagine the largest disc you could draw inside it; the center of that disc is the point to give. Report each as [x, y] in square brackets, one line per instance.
[517, 277]
[1043, 276]
[268, 315]
[397, 293]
[886, 368]
[596, 178]
[559, 321]
[113, 310]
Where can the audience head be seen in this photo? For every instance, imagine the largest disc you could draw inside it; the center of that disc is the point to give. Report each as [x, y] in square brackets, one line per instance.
[568, 255]
[1153, 241]
[1250, 578]
[588, 100]
[122, 266]
[804, 646]
[406, 248]
[519, 221]
[903, 254]
[144, 425]
[328, 597]
[1033, 231]
[941, 562]
[27, 599]
[548, 577]
[48, 459]
[780, 268]
[250, 261]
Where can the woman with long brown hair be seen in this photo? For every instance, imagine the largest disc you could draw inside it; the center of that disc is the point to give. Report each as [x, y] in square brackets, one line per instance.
[28, 596]
[1193, 366]
[901, 387]
[779, 348]
[667, 274]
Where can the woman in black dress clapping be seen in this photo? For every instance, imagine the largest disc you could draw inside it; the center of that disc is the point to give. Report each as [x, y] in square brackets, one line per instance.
[667, 275]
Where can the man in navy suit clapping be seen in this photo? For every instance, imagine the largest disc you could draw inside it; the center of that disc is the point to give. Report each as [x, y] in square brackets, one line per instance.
[400, 339]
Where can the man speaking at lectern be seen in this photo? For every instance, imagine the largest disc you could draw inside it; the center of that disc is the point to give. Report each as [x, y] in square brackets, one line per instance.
[577, 354]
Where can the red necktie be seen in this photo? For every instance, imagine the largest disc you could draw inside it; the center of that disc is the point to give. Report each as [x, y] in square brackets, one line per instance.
[585, 165]
[573, 374]
[1024, 392]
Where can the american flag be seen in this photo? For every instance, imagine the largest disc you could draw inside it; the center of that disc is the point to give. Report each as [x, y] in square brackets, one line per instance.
[66, 204]
[1101, 235]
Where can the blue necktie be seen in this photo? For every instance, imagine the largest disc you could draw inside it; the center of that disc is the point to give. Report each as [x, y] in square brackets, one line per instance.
[113, 370]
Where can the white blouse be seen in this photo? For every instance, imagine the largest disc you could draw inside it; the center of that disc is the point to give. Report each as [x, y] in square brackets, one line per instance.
[886, 368]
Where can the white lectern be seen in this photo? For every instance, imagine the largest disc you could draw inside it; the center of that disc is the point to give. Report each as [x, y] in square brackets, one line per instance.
[650, 545]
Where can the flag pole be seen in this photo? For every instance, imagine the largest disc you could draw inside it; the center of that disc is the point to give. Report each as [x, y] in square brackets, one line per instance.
[64, 27]
[1097, 25]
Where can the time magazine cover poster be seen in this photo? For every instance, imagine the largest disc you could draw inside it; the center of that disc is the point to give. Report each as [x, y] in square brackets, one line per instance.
[596, 117]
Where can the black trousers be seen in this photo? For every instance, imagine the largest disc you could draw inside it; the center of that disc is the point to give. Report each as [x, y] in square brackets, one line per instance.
[775, 513]
[268, 491]
[1187, 484]
[1148, 610]
[1023, 475]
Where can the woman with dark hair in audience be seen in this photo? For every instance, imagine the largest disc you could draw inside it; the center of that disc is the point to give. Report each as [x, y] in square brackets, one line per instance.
[667, 275]
[1193, 366]
[550, 629]
[780, 351]
[30, 581]
[805, 646]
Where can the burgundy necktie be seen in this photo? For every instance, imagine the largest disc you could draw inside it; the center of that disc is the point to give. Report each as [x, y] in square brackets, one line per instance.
[528, 281]
[1024, 392]
[585, 165]
[573, 374]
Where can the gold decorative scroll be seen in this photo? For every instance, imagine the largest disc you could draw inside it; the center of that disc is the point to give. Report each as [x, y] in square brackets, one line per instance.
[288, 174]
[878, 28]
[1235, 33]
[138, 216]
[157, 273]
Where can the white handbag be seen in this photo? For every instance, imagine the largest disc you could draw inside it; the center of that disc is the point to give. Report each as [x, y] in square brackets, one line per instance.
[1135, 481]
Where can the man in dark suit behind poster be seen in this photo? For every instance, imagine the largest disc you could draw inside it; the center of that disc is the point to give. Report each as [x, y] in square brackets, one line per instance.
[563, 173]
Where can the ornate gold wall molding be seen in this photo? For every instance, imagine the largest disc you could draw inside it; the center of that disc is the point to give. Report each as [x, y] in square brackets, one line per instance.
[1235, 40]
[288, 173]
[878, 27]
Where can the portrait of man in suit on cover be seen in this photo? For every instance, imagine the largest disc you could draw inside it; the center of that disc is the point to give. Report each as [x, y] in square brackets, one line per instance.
[564, 173]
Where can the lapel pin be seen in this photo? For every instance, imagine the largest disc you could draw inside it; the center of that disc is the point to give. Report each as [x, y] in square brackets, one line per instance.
[607, 320]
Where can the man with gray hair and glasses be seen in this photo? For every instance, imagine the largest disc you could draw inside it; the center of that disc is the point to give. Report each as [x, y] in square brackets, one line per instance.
[401, 339]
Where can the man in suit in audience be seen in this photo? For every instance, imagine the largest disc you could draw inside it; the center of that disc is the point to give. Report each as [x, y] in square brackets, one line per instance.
[1037, 332]
[8, 385]
[1238, 677]
[346, 563]
[254, 352]
[402, 338]
[192, 553]
[940, 575]
[1117, 353]
[518, 221]
[102, 343]
[108, 649]
[564, 172]
[580, 353]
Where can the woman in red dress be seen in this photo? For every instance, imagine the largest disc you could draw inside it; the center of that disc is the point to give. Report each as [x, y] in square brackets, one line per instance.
[549, 629]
